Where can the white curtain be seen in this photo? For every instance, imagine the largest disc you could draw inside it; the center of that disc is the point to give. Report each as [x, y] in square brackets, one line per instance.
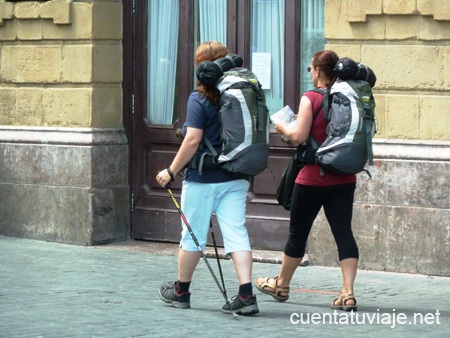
[213, 20]
[162, 59]
[267, 36]
[312, 37]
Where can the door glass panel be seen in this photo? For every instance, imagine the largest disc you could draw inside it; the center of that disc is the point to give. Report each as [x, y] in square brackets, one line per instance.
[267, 45]
[210, 23]
[213, 20]
[312, 37]
[162, 60]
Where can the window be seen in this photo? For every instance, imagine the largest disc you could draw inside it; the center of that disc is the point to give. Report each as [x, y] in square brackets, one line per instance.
[210, 23]
[312, 37]
[162, 60]
[267, 49]
[269, 33]
[163, 32]
[212, 20]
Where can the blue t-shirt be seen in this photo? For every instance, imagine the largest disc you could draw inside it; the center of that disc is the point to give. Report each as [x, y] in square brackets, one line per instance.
[201, 114]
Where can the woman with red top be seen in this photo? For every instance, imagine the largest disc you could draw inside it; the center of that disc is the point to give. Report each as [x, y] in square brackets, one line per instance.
[315, 189]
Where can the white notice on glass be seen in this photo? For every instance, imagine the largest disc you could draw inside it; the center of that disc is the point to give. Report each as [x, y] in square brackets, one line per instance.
[261, 68]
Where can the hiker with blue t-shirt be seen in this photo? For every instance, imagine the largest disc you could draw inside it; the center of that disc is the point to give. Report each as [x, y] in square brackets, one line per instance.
[207, 192]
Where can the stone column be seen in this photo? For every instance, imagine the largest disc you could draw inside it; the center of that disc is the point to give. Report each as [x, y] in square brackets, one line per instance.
[63, 151]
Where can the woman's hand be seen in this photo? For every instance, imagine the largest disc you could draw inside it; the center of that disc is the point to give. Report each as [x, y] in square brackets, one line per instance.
[281, 128]
[163, 177]
[187, 150]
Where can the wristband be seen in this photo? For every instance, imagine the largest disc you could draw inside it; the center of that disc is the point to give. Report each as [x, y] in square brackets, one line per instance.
[172, 177]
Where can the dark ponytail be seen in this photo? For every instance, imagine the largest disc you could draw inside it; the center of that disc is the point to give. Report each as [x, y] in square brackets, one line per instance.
[326, 60]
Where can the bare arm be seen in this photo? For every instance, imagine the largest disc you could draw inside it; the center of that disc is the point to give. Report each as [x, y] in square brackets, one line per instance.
[187, 150]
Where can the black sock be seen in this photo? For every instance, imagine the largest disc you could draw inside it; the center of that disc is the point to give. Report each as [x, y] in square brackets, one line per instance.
[183, 286]
[245, 290]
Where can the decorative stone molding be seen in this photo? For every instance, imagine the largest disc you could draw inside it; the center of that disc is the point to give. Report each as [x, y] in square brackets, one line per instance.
[62, 136]
[421, 150]
[6, 11]
[57, 10]
[440, 10]
[357, 10]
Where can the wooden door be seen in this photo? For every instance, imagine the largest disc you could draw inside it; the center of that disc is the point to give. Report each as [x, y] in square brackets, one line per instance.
[153, 147]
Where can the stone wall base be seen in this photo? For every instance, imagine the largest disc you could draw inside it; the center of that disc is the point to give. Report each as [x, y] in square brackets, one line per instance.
[401, 218]
[396, 239]
[64, 185]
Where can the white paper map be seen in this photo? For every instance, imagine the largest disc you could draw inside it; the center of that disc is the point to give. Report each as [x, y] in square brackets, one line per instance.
[284, 115]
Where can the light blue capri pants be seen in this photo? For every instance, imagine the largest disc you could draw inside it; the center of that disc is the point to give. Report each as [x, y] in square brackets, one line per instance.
[228, 201]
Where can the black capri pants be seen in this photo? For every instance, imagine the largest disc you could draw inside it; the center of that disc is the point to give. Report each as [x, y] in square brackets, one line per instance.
[337, 202]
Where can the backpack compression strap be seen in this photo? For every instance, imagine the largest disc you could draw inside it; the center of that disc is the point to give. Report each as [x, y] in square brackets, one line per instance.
[202, 158]
[243, 84]
[262, 107]
[369, 127]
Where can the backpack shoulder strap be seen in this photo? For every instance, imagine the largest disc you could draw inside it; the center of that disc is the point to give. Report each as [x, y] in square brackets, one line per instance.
[324, 103]
[311, 144]
[325, 93]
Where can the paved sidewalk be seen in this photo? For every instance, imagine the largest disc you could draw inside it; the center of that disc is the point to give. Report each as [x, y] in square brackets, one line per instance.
[57, 290]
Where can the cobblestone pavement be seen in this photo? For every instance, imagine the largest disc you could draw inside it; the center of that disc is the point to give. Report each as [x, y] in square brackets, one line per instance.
[58, 290]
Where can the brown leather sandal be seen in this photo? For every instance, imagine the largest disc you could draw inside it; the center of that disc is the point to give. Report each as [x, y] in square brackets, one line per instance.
[269, 286]
[340, 303]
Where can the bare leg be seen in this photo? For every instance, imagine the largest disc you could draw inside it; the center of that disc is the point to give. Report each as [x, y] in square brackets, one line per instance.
[242, 261]
[187, 262]
[288, 267]
[349, 267]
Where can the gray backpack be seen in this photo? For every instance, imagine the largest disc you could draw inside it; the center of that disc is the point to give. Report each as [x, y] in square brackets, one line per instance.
[243, 118]
[244, 124]
[350, 130]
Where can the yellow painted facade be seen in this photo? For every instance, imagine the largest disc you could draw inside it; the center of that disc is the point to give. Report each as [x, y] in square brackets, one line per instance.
[407, 44]
[61, 64]
[71, 52]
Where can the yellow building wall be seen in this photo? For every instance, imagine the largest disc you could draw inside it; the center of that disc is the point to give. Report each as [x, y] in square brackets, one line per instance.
[407, 44]
[61, 64]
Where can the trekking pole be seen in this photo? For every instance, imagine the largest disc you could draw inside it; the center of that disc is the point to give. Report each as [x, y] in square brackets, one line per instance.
[217, 257]
[200, 249]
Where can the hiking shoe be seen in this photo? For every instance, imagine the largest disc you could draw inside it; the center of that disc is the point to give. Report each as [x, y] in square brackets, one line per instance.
[169, 294]
[241, 306]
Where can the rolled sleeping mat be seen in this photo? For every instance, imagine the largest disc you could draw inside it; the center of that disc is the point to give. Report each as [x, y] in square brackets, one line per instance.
[209, 72]
[348, 69]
